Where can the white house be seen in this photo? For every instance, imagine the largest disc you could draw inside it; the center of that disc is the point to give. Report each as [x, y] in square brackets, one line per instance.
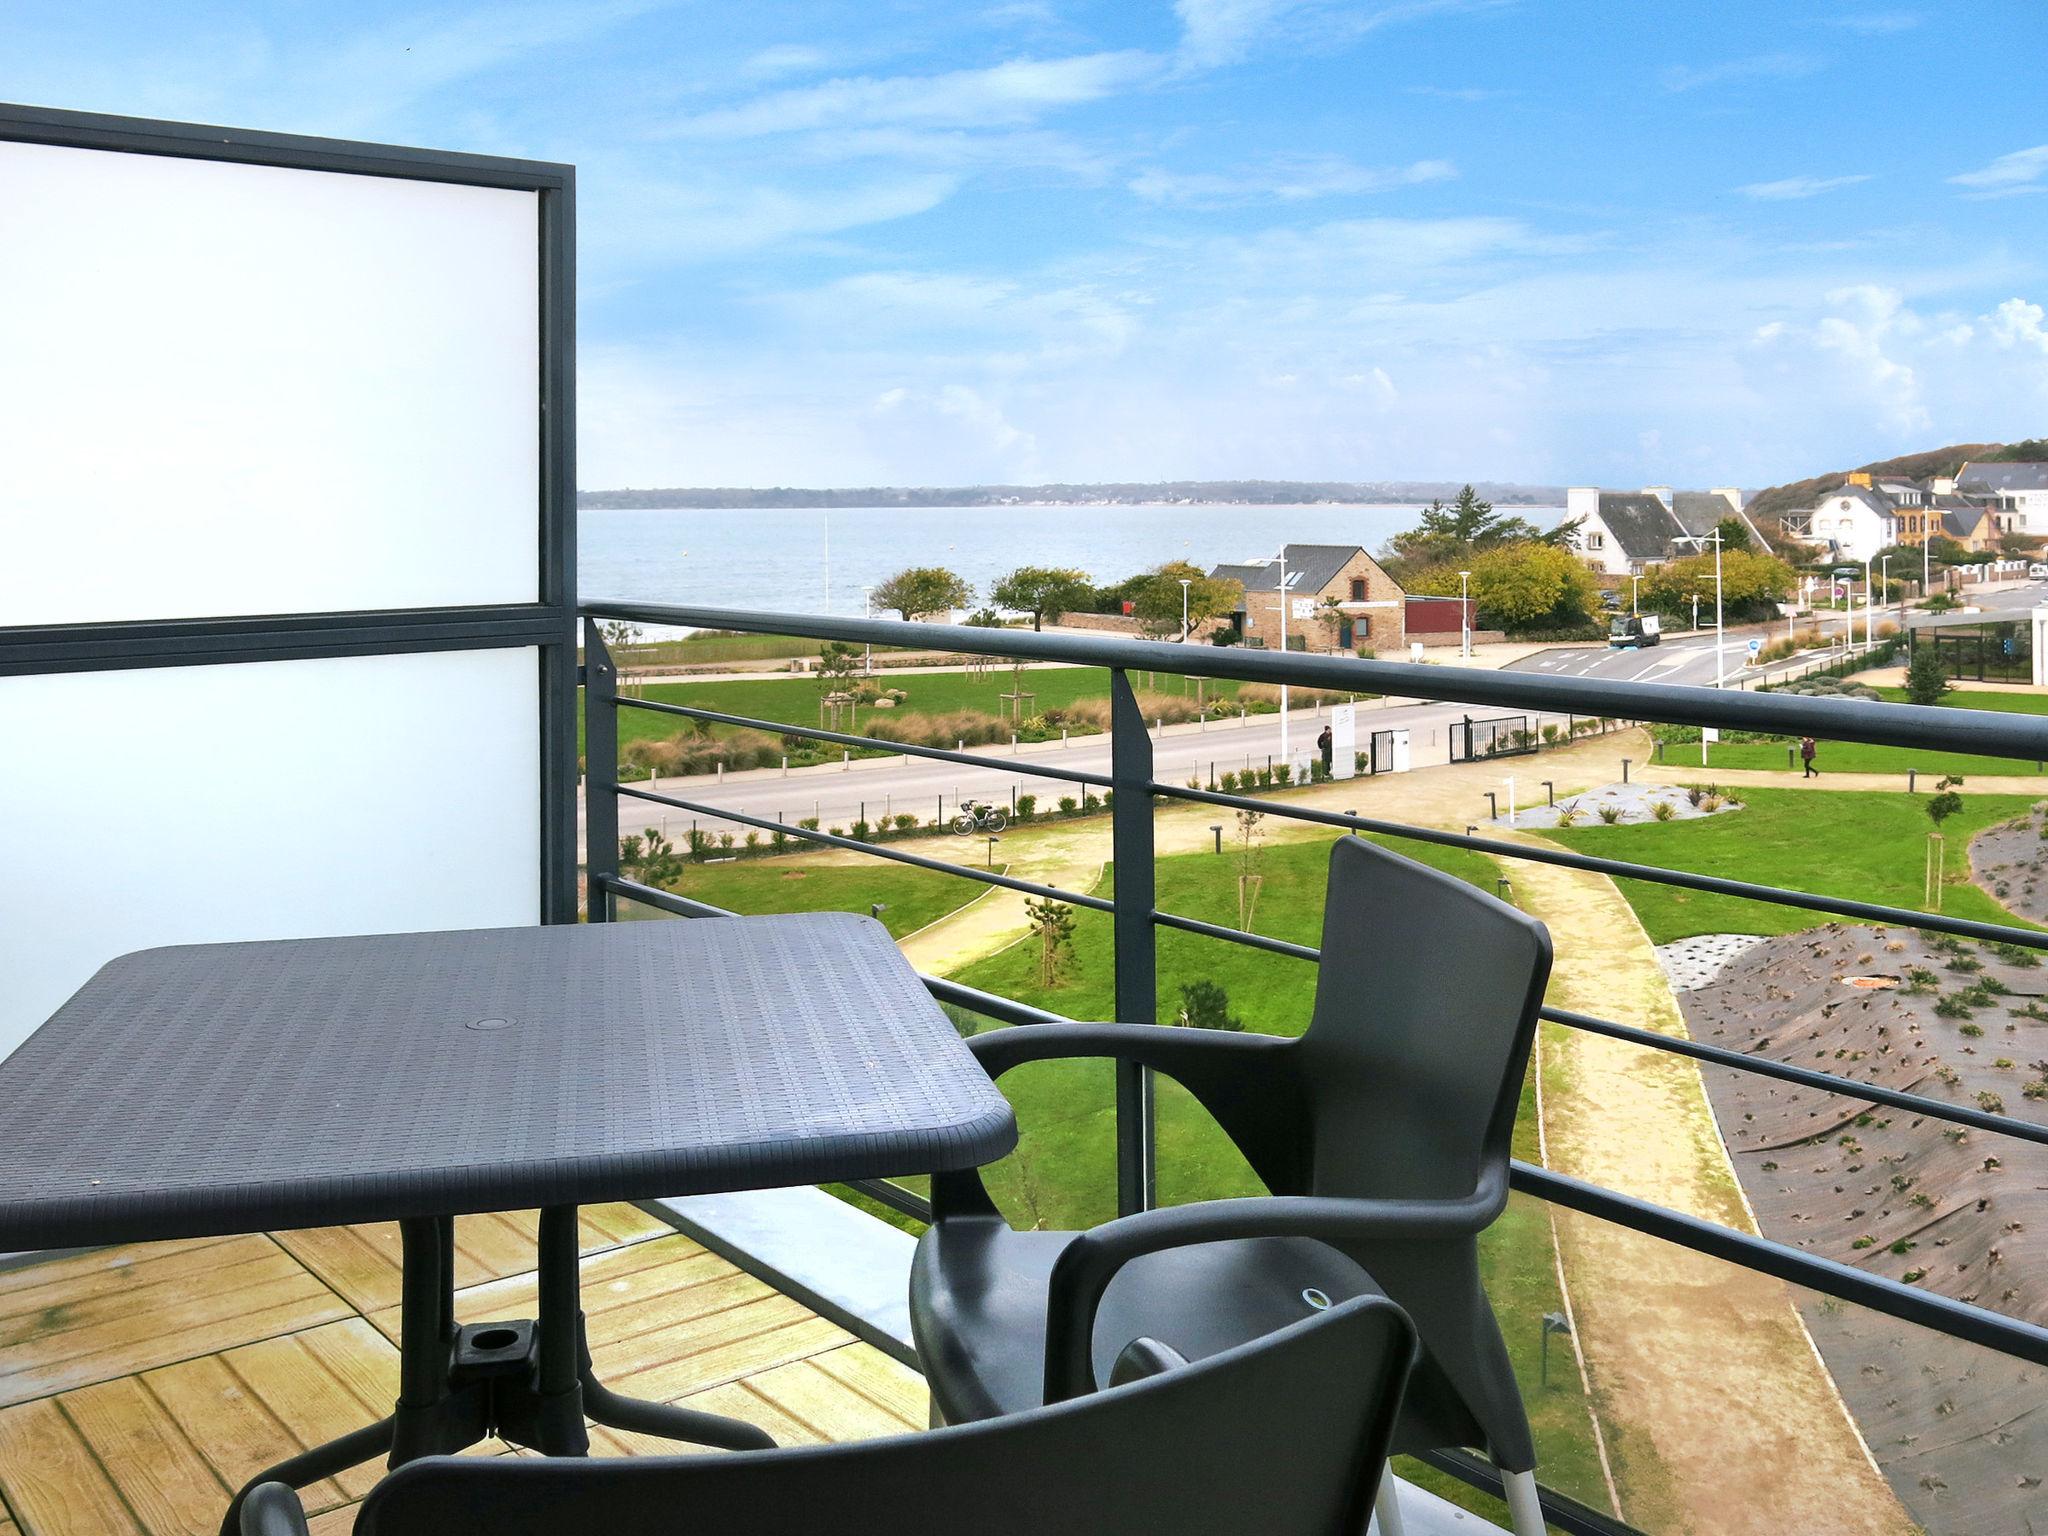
[1624, 533]
[1854, 521]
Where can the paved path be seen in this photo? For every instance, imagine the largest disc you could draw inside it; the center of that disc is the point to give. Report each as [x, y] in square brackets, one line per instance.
[1708, 1369]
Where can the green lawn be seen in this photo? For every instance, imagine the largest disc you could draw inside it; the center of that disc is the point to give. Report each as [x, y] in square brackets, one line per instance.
[794, 700]
[1064, 1172]
[914, 897]
[1983, 698]
[1841, 757]
[1863, 844]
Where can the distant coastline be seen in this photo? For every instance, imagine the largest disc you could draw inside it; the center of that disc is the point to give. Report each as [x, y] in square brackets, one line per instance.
[1194, 493]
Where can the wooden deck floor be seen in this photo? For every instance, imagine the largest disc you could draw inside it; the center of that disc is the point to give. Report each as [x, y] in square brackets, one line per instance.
[140, 1385]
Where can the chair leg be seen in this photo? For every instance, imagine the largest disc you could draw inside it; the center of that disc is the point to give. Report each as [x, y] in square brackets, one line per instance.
[1386, 1505]
[1525, 1514]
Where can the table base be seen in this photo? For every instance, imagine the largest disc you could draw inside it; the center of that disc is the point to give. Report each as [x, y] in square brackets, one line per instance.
[528, 1382]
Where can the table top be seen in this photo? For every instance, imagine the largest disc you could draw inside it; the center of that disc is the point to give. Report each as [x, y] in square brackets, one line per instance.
[215, 1088]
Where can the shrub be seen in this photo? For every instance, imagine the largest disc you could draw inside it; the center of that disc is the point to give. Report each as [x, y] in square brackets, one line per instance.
[1610, 814]
[1091, 803]
[860, 831]
[1990, 1103]
[1068, 805]
[1711, 804]
[2017, 954]
[809, 823]
[1027, 807]
[1973, 1031]
[1552, 734]
[1663, 810]
[1283, 773]
[1228, 783]
[1568, 813]
[1205, 1005]
[1952, 1008]
[905, 822]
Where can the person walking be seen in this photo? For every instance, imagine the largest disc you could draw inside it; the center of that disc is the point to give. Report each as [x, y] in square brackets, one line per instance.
[1807, 747]
[1326, 745]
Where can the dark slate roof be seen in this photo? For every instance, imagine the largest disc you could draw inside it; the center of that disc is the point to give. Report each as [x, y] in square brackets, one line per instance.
[1310, 568]
[1640, 523]
[2004, 477]
[1961, 525]
[1700, 512]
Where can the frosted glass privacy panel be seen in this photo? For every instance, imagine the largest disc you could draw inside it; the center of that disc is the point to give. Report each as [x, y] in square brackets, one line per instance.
[264, 800]
[237, 389]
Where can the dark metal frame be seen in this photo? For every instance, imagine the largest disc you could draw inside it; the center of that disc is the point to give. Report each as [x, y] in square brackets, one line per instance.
[1135, 917]
[546, 624]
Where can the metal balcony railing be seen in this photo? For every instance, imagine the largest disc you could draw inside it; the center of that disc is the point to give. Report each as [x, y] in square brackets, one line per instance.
[1132, 789]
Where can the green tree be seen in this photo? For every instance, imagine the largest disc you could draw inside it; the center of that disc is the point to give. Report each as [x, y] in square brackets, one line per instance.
[1530, 585]
[1452, 535]
[1734, 533]
[1751, 584]
[1157, 605]
[1205, 1005]
[1043, 591]
[1053, 922]
[1926, 677]
[923, 590]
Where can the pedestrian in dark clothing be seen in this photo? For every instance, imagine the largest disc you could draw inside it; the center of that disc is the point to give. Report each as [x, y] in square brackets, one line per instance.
[1326, 745]
[1807, 747]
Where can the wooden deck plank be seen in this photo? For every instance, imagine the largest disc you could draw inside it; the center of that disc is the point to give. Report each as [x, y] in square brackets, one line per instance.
[51, 1480]
[893, 1386]
[56, 1312]
[173, 1321]
[833, 1410]
[231, 1426]
[161, 1477]
[363, 1262]
[662, 1311]
[610, 1280]
[724, 1347]
[307, 1399]
[336, 1522]
[122, 1271]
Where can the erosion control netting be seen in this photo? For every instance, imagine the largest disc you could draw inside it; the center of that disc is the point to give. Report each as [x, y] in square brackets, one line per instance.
[2010, 861]
[1961, 1433]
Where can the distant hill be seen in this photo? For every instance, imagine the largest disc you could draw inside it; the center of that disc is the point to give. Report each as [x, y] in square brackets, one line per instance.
[1801, 494]
[1212, 492]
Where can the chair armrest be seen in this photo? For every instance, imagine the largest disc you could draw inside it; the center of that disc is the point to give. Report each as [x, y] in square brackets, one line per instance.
[271, 1509]
[1241, 1079]
[1086, 1266]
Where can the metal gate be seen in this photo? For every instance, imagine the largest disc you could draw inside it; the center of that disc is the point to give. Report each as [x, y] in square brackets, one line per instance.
[1495, 736]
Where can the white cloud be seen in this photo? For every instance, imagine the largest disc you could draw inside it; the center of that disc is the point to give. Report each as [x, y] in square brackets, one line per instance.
[2017, 323]
[1869, 317]
[1793, 188]
[1286, 182]
[634, 219]
[1876, 23]
[2010, 174]
[1765, 66]
[785, 59]
[1215, 32]
[1015, 92]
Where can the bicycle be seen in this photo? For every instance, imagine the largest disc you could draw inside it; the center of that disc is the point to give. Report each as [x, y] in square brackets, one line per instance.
[979, 816]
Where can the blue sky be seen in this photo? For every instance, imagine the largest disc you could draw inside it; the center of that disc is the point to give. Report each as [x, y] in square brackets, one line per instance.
[928, 243]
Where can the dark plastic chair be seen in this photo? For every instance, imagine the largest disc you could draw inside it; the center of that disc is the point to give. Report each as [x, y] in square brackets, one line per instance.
[1282, 1437]
[1383, 1134]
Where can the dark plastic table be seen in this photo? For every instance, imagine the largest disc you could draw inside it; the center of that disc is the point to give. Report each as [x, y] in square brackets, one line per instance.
[220, 1088]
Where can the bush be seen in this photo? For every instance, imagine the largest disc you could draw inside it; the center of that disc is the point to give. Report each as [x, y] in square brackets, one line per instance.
[905, 822]
[1068, 805]
[1205, 1005]
[1663, 810]
[1952, 1008]
[1027, 807]
[1610, 814]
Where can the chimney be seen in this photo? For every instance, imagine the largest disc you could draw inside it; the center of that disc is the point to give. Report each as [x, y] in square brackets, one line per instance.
[1730, 494]
[1661, 492]
[1942, 485]
[1581, 501]
[1860, 477]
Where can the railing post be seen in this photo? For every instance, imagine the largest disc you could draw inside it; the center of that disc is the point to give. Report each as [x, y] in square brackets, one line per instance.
[600, 772]
[1137, 972]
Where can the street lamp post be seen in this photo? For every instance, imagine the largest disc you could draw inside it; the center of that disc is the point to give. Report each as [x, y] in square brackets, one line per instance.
[1635, 592]
[1869, 605]
[1284, 594]
[1695, 613]
[1885, 575]
[1720, 630]
[1184, 581]
[868, 595]
[1464, 616]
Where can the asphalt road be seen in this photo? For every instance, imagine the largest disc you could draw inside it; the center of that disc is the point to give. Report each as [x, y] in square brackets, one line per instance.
[877, 787]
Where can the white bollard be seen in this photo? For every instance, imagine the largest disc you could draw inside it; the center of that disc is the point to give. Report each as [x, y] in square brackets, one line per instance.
[785, 767]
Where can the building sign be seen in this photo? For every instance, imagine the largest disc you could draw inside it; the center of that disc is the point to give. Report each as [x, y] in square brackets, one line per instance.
[1303, 608]
[1343, 741]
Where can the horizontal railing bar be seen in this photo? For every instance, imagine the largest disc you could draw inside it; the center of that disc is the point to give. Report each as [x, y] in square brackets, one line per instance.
[1679, 1045]
[992, 1004]
[1559, 1509]
[842, 738]
[917, 860]
[1540, 853]
[1985, 732]
[1234, 935]
[1764, 1066]
[897, 1198]
[973, 999]
[1894, 1298]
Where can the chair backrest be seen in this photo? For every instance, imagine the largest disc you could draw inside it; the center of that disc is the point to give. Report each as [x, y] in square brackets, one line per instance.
[1284, 1436]
[1426, 1006]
